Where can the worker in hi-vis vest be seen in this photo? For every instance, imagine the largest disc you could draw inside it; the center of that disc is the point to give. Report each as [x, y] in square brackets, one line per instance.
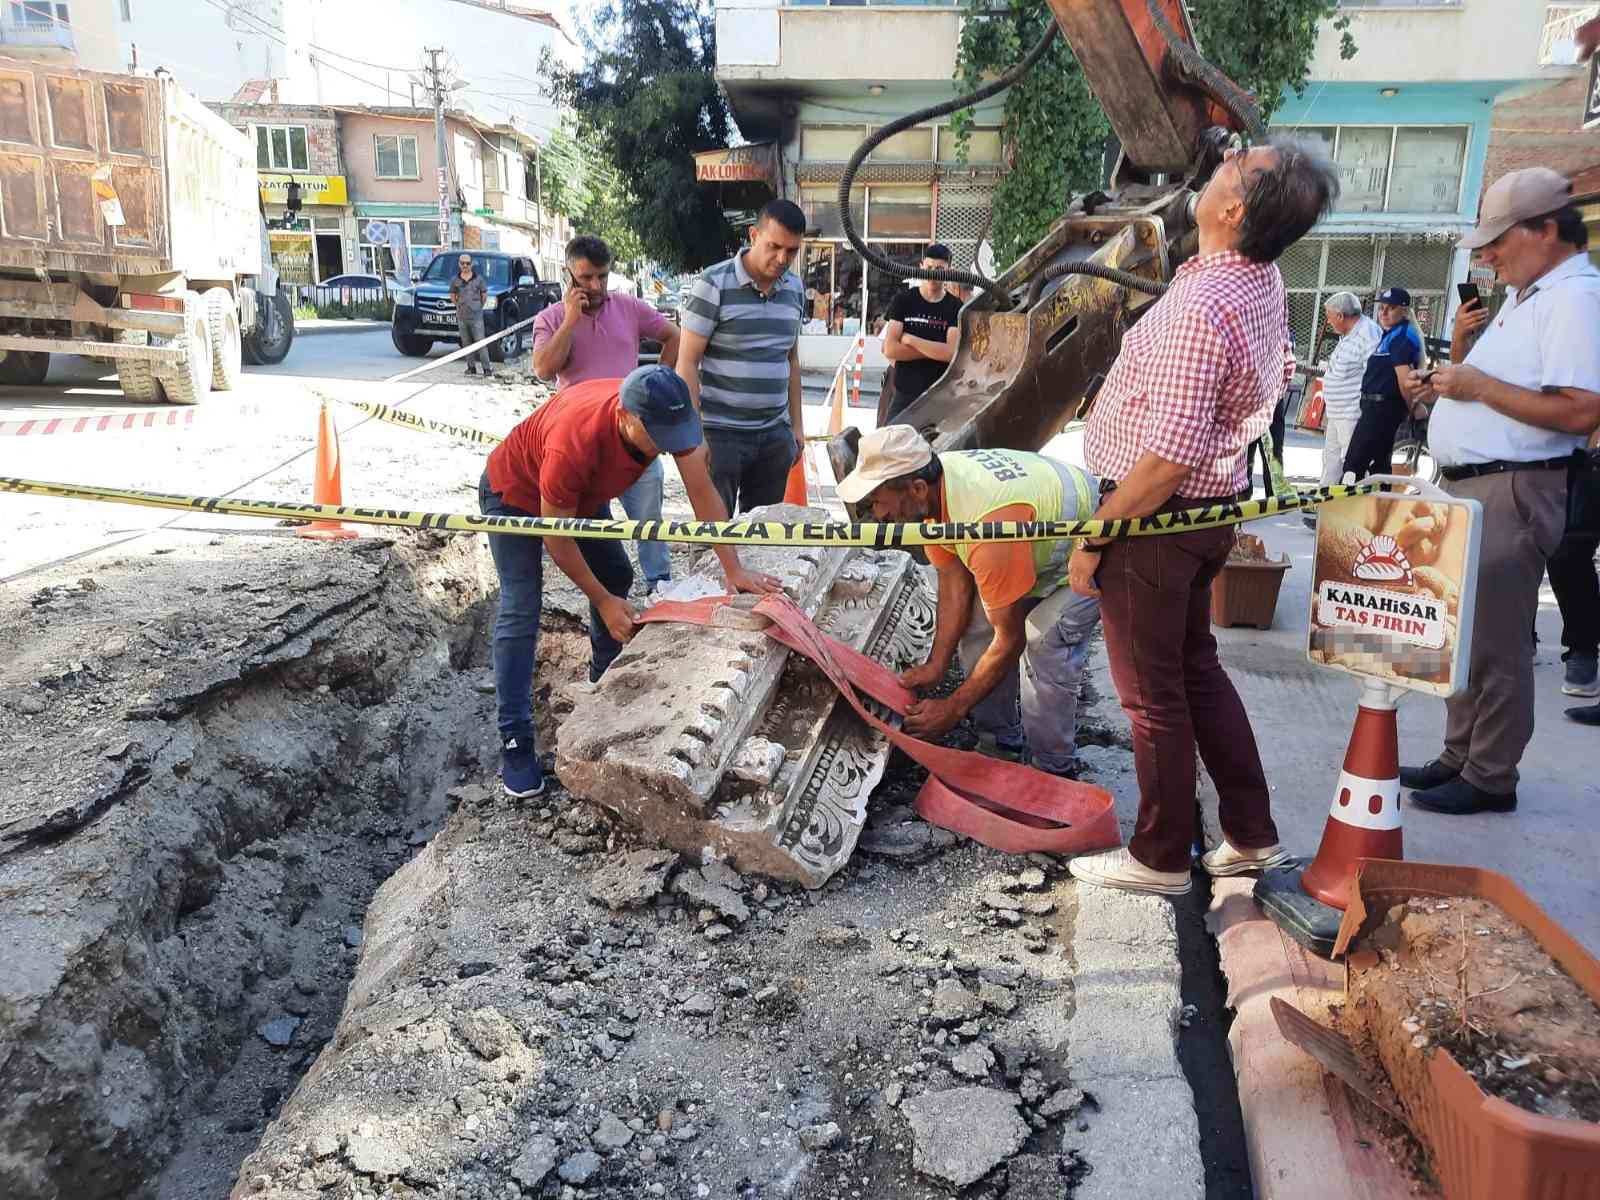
[1025, 614]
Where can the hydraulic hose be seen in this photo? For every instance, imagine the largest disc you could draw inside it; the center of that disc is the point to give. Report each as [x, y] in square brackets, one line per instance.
[904, 270]
[1211, 80]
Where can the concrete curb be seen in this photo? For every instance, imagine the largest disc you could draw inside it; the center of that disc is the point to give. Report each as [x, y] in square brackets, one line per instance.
[1123, 1035]
[323, 328]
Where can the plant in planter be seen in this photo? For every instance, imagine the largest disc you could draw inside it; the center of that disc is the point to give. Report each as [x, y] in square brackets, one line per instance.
[1246, 593]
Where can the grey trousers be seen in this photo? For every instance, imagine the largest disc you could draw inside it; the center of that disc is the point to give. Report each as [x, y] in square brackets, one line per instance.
[1489, 725]
[1039, 698]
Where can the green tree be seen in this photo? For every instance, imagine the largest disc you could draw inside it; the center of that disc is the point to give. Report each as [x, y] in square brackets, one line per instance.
[647, 100]
[589, 192]
[1053, 129]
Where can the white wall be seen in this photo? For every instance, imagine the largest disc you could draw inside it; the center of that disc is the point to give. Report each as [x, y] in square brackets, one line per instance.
[209, 51]
[1469, 41]
[97, 35]
[352, 52]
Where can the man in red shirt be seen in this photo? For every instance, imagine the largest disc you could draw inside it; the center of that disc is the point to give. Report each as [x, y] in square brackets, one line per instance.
[571, 458]
[1194, 385]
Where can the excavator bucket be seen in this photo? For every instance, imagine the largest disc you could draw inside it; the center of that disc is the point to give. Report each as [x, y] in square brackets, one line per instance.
[1019, 376]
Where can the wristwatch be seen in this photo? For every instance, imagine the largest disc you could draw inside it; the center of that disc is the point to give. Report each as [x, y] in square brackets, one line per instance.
[1095, 543]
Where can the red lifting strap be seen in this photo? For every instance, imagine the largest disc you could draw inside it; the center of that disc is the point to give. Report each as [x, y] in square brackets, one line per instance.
[1002, 804]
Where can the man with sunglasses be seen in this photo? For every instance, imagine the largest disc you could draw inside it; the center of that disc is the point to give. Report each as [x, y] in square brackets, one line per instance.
[571, 458]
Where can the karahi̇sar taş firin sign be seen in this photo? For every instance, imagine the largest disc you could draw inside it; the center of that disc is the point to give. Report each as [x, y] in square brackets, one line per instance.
[1393, 589]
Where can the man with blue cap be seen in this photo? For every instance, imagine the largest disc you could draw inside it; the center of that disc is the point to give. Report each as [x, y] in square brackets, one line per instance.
[582, 449]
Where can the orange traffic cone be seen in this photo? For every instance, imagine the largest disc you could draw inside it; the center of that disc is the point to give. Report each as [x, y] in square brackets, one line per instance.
[325, 485]
[795, 491]
[1364, 820]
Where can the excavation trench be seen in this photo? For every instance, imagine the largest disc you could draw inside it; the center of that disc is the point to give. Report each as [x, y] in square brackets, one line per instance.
[191, 829]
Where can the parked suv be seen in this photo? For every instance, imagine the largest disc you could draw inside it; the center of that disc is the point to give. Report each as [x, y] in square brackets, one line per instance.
[426, 314]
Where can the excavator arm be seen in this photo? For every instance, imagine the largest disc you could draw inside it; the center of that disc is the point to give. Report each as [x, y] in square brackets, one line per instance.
[1037, 342]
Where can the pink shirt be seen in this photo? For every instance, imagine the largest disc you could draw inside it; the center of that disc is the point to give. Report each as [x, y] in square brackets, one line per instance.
[1198, 377]
[605, 344]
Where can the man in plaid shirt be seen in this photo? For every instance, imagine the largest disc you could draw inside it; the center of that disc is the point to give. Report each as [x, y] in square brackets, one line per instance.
[1195, 384]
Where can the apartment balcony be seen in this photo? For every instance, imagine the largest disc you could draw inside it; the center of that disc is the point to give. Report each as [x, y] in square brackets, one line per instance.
[1558, 46]
[45, 40]
[767, 52]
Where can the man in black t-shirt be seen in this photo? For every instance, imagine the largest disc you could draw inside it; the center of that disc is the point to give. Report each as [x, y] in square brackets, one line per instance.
[921, 334]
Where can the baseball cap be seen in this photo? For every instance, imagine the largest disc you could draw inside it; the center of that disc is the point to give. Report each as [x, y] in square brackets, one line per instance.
[1398, 297]
[938, 250]
[884, 454]
[660, 399]
[1518, 196]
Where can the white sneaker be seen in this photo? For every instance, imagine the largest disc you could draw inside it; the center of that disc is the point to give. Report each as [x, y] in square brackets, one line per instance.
[1228, 859]
[1120, 869]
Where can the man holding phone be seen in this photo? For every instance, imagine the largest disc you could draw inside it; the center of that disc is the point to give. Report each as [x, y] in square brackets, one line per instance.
[1508, 414]
[595, 334]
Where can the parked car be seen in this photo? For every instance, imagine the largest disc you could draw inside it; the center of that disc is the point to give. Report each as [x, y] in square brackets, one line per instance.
[667, 305]
[425, 314]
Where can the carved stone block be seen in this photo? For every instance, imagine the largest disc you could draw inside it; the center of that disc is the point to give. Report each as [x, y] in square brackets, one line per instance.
[718, 740]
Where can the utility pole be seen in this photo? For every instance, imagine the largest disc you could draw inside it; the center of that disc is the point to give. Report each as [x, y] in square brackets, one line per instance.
[538, 205]
[441, 146]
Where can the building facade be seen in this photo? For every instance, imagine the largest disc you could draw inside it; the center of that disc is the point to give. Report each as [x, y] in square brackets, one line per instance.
[813, 80]
[1410, 121]
[92, 34]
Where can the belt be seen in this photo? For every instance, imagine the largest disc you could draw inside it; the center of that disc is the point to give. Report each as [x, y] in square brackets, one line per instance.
[1473, 470]
[1177, 503]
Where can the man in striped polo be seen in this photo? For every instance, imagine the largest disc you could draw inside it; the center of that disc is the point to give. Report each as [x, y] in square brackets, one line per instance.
[739, 355]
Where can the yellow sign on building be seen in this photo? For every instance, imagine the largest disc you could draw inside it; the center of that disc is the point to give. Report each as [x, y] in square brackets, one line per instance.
[314, 189]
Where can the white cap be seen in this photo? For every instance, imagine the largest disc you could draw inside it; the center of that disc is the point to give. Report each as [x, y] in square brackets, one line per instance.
[884, 454]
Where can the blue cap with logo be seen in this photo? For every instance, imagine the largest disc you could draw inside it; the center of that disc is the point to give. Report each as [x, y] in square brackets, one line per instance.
[660, 399]
[1398, 297]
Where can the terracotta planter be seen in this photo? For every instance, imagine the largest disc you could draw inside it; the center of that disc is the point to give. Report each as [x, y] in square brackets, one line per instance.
[1483, 1148]
[1246, 593]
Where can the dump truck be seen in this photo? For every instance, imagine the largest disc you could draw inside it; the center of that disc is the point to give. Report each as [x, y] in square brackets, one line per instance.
[131, 231]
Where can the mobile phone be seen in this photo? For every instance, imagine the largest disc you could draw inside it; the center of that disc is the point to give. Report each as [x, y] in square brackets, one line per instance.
[1468, 292]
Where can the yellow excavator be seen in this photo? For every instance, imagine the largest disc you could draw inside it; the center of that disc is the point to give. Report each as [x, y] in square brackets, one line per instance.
[1037, 342]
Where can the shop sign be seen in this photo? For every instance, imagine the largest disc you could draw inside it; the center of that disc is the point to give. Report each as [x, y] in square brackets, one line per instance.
[1394, 586]
[737, 164]
[291, 254]
[314, 189]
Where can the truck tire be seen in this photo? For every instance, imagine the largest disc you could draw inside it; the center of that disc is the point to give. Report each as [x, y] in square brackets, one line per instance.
[227, 353]
[412, 345]
[262, 348]
[136, 376]
[24, 367]
[509, 345]
[191, 382]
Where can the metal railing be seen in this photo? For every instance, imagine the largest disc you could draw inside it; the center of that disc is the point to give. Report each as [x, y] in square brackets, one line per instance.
[346, 303]
[38, 34]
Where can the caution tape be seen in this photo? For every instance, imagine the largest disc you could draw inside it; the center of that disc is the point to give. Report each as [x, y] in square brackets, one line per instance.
[710, 533]
[393, 416]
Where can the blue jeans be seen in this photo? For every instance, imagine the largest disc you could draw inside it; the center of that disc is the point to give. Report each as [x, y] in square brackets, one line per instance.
[642, 502]
[519, 562]
[750, 467]
[1041, 699]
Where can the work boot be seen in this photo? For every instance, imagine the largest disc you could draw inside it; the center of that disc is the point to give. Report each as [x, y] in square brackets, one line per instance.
[1589, 714]
[1228, 859]
[472, 368]
[1431, 775]
[1121, 870]
[520, 772]
[1458, 798]
[1583, 675]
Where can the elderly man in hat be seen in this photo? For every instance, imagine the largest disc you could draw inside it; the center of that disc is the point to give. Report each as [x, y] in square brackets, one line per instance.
[1507, 417]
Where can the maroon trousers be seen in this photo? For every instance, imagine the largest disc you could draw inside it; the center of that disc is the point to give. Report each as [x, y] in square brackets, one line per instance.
[1155, 606]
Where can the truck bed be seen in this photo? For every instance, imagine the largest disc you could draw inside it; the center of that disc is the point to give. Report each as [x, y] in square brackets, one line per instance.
[185, 178]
